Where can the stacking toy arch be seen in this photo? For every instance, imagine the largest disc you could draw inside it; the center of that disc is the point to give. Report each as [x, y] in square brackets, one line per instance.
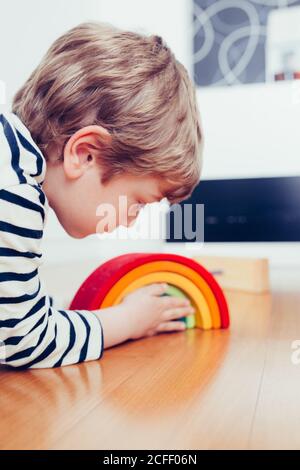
[114, 279]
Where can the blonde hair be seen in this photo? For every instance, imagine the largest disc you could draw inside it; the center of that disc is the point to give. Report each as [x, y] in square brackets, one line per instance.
[132, 85]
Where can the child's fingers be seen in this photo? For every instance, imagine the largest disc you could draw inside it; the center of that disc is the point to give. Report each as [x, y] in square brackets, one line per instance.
[151, 332]
[171, 326]
[175, 313]
[154, 289]
[169, 302]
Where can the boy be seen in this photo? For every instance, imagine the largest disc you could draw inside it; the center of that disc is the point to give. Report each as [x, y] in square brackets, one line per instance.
[106, 113]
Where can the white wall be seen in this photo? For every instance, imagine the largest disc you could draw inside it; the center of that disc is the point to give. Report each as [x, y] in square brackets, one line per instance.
[27, 28]
[251, 130]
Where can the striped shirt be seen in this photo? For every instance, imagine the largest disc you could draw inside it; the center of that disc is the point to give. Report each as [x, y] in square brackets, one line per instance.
[33, 334]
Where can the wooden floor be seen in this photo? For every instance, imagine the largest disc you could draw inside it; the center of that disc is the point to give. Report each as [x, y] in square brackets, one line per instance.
[193, 390]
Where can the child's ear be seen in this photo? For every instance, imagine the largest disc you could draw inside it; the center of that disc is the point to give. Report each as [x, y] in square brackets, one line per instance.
[83, 148]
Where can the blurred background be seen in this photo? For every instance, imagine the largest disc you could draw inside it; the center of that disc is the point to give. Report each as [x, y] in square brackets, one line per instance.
[244, 57]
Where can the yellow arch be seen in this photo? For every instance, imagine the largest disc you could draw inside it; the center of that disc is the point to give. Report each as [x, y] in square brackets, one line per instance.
[172, 266]
[202, 313]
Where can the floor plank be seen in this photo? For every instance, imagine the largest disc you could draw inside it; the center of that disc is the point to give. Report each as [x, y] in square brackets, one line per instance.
[277, 420]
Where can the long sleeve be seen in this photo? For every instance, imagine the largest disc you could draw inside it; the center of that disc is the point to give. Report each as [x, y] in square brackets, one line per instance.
[33, 334]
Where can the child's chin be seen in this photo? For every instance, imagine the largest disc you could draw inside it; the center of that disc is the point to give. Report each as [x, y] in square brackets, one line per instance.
[76, 233]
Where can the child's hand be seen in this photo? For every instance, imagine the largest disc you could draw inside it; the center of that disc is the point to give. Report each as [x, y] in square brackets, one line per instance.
[149, 312]
[144, 312]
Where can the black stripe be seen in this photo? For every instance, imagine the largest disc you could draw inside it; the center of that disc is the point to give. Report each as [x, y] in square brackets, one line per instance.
[27, 352]
[49, 349]
[71, 340]
[84, 348]
[23, 254]
[12, 322]
[27, 146]
[17, 276]
[20, 299]
[21, 201]
[20, 231]
[102, 339]
[14, 148]
[15, 340]
[42, 196]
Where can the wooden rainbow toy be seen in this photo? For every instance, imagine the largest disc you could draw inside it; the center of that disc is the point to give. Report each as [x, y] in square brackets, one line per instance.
[114, 279]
